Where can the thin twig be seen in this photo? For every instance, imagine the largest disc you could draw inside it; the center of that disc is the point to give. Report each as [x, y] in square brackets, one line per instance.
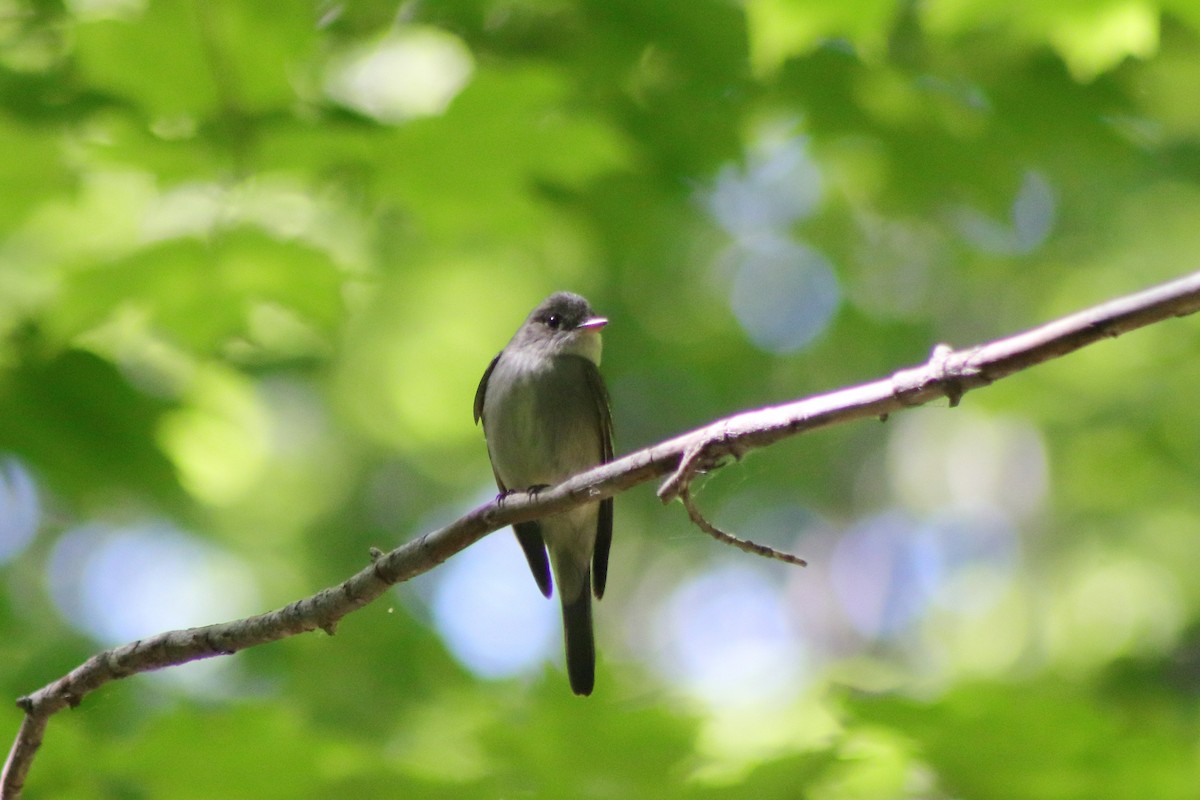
[746, 545]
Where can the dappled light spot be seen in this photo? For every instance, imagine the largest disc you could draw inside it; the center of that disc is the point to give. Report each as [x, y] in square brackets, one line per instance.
[413, 72]
[731, 641]
[784, 293]
[778, 185]
[1094, 42]
[1031, 220]
[105, 9]
[881, 577]
[968, 462]
[969, 560]
[489, 612]
[119, 583]
[1033, 211]
[20, 508]
[1111, 606]
[220, 442]
[892, 570]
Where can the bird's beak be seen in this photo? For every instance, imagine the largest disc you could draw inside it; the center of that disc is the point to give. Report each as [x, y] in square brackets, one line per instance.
[593, 324]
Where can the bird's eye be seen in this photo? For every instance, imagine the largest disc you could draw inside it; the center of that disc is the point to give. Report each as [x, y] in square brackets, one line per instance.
[554, 321]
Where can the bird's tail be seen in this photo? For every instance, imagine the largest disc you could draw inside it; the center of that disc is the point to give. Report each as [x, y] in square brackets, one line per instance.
[578, 637]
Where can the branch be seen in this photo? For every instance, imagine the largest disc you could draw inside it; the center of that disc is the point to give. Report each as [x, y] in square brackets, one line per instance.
[948, 373]
[744, 545]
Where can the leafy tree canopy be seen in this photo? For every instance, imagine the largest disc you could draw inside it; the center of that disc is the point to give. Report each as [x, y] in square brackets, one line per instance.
[255, 256]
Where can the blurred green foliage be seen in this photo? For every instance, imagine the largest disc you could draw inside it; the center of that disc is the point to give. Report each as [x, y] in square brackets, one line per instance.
[254, 257]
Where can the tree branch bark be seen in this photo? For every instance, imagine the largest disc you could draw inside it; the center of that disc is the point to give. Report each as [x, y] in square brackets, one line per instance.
[948, 373]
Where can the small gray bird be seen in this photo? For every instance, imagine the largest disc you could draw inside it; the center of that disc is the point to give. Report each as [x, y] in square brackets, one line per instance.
[546, 417]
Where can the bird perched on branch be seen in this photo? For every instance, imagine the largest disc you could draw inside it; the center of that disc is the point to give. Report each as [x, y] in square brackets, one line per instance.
[546, 417]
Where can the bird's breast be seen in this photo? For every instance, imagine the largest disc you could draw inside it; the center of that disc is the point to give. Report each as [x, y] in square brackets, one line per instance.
[539, 420]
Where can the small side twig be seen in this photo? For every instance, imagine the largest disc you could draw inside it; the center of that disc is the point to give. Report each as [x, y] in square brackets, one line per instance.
[728, 538]
[678, 481]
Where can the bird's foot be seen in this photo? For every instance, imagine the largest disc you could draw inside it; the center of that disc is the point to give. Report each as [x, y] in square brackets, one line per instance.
[531, 491]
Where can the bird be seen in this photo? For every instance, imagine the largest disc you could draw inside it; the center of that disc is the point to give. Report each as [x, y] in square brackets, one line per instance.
[546, 416]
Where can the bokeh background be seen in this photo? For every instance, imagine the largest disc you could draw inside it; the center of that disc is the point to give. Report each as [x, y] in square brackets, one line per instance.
[254, 257]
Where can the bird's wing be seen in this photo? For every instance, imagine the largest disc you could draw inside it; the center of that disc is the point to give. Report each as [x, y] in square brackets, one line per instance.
[604, 520]
[529, 534]
[482, 390]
